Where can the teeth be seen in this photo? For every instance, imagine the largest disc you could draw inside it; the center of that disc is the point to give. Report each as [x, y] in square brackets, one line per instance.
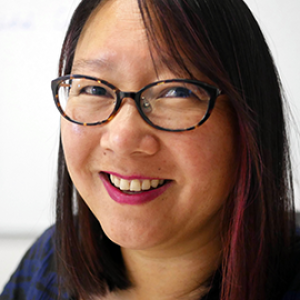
[146, 185]
[124, 185]
[115, 180]
[154, 183]
[135, 185]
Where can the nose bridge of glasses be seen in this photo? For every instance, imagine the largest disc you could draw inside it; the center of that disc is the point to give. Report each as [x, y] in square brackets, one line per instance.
[135, 96]
[131, 95]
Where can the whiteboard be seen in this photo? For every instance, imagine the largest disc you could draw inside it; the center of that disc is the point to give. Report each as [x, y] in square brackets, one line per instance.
[31, 34]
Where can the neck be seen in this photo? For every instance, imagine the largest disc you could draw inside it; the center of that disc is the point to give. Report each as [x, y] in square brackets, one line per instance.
[172, 274]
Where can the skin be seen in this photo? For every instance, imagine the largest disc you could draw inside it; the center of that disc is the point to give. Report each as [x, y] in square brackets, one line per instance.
[171, 244]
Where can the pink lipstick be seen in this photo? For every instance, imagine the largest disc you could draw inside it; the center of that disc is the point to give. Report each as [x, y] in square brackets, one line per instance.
[131, 198]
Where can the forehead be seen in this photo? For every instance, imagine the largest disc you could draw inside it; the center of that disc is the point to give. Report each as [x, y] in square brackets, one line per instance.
[113, 23]
[114, 37]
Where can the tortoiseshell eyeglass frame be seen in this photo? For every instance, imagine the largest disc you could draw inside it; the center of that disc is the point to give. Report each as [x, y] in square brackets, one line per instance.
[213, 91]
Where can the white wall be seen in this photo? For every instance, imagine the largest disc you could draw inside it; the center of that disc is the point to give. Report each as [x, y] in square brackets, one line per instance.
[280, 22]
[31, 33]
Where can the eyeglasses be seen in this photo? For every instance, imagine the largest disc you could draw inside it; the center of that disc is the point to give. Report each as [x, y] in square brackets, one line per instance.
[170, 105]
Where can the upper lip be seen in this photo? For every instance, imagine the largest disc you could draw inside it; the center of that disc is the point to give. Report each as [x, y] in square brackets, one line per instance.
[131, 177]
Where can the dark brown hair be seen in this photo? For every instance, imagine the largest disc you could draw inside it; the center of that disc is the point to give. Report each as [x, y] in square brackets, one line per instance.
[224, 41]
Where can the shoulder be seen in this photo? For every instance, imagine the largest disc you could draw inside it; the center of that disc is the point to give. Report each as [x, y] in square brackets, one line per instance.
[35, 277]
[293, 292]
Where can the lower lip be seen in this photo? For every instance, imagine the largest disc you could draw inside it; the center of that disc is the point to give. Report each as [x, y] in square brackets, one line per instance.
[132, 199]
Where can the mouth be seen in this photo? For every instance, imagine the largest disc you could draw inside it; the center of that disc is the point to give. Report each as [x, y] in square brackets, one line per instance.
[133, 191]
[135, 185]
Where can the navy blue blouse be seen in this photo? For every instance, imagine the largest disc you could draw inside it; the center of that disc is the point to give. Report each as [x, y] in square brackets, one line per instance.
[36, 279]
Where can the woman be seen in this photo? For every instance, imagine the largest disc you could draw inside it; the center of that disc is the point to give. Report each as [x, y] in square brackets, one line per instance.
[174, 175]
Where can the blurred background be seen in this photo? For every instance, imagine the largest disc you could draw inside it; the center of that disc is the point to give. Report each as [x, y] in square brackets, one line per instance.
[31, 34]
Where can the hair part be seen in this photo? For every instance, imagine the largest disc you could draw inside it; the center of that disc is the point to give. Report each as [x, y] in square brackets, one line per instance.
[222, 40]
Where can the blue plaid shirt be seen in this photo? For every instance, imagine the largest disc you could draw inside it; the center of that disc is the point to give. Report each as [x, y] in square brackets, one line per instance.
[36, 279]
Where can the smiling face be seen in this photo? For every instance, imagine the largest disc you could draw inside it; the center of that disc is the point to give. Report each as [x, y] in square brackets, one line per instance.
[191, 172]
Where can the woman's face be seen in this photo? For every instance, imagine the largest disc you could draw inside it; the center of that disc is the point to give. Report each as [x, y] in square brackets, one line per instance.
[199, 165]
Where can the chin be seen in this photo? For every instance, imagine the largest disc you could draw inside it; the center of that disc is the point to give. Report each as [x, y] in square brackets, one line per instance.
[134, 239]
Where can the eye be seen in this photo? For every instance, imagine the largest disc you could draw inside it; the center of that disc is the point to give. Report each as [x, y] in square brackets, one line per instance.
[95, 91]
[177, 92]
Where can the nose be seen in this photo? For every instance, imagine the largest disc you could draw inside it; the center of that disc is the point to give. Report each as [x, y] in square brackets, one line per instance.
[128, 134]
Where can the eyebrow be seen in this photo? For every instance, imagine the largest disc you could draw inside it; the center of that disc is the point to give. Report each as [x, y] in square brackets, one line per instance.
[92, 65]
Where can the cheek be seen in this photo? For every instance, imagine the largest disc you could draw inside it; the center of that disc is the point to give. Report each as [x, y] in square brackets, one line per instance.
[210, 158]
[78, 145]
